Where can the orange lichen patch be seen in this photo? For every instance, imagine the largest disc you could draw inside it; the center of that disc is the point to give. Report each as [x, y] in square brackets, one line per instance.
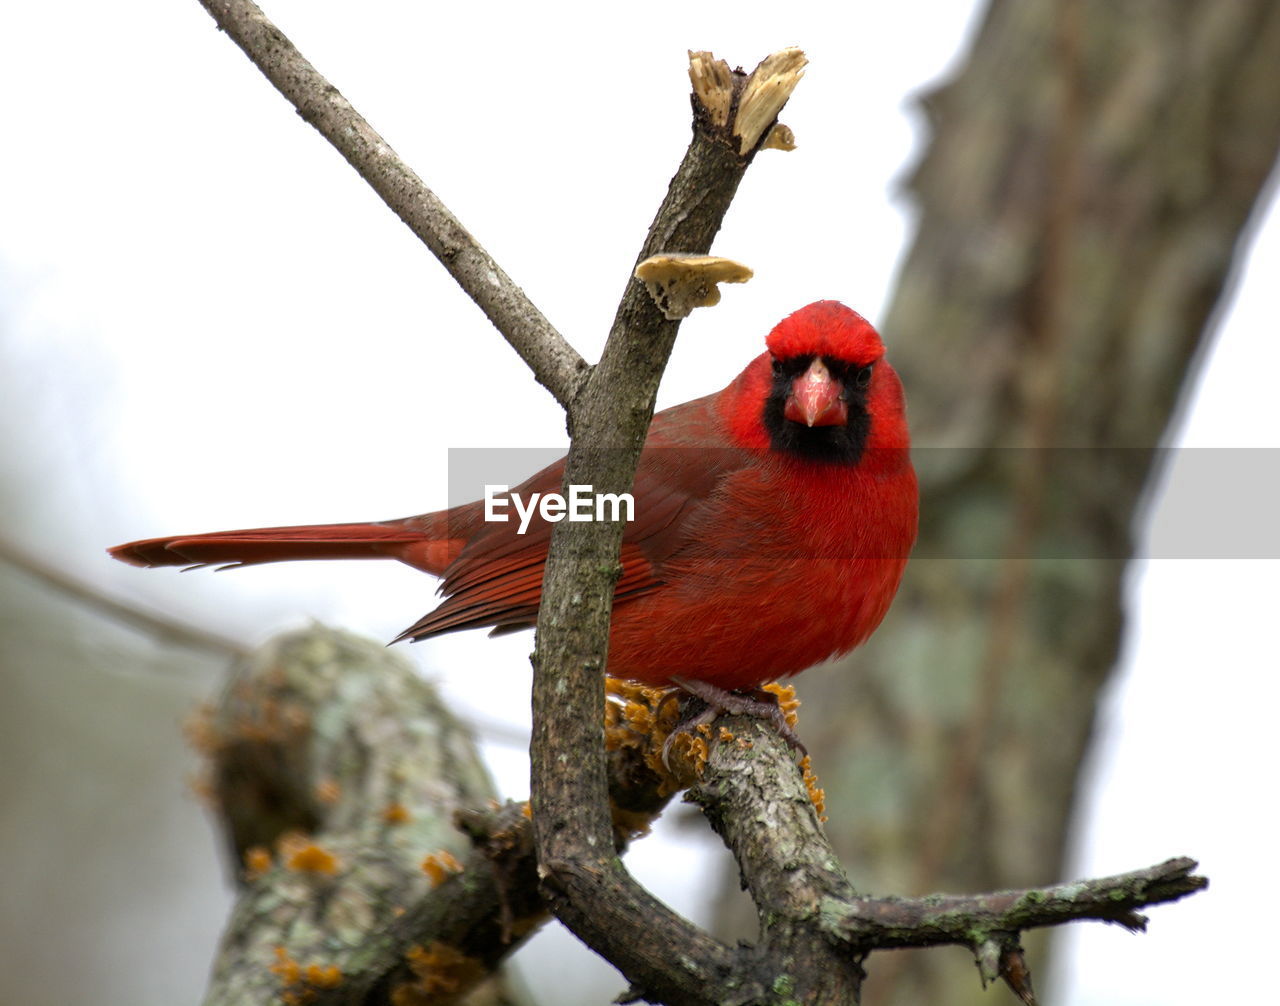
[328, 791]
[308, 857]
[439, 865]
[396, 813]
[526, 809]
[286, 968]
[787, 700]
[299, 984]
[725, 734]
[687, 757]
[816, 793]
[440, 972]
[323, 976]
[640, 717]
[257, 861]
[636, 715]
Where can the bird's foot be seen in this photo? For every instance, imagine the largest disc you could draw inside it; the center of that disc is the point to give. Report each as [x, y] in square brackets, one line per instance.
[759, 703]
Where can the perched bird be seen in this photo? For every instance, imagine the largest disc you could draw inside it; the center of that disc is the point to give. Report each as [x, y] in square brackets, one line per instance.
[771, 524]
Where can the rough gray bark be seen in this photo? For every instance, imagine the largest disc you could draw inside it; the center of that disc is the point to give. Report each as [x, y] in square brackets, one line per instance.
[335, 771]
[1091, 171]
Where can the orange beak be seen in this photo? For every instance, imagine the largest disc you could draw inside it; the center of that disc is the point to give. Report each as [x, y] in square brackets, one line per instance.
[816, 398]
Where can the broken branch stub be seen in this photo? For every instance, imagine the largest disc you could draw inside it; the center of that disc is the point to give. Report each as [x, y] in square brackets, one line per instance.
[745, 108]
[767, 90]
[679, 283]
[713, 85]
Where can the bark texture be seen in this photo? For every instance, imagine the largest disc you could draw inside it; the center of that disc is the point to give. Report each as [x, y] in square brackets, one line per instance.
[343, 787]
[336, 772]
[1091, 172]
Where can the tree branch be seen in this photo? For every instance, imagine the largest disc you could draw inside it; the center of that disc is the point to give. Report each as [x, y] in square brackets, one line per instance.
[160, 627]
[811, 917]
[339, 778]
[888, 923]
[335, 770]
[555, 364]
[587, 885]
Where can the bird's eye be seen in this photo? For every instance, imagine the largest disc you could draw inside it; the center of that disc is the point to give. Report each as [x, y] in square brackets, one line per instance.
[863, 377]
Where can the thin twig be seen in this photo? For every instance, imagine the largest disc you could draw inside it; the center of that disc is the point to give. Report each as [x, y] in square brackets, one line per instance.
[165, 629]
[555, 364]
[170, 630]
[886, 923]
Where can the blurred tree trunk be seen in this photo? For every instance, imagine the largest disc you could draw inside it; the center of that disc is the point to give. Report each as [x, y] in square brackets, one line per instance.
[93, 795]
[1091, 171]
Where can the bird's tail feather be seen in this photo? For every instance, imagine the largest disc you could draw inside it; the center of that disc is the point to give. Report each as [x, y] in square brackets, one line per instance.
[419, 543]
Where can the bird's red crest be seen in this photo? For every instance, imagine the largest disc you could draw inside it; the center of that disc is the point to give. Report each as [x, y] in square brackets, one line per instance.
[826, 328]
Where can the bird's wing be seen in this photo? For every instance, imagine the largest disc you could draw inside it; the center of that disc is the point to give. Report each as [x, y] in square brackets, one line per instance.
[496, 579]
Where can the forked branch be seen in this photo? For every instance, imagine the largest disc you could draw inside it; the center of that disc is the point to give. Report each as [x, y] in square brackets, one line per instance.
[555, 364]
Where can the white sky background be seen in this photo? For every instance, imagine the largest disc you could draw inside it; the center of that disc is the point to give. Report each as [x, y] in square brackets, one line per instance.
[218, 325]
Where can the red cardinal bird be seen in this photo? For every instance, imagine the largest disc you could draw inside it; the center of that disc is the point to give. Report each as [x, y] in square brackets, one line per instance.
[772, 522]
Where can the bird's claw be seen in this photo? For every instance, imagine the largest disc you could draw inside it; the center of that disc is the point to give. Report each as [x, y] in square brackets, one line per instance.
[719, 701]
